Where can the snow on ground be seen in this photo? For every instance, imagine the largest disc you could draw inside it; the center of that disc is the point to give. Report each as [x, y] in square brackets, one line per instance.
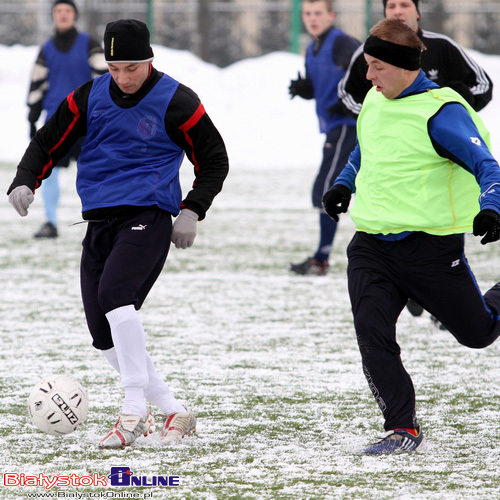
[268, 361]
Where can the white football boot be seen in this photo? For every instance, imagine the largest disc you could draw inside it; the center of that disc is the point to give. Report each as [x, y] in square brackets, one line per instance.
[127, 429]
[177, 426]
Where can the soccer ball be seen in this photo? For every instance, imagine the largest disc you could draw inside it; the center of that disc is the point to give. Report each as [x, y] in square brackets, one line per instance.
[58, 404]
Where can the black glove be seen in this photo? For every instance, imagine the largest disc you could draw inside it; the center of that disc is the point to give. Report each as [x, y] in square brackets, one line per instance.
[487, 222]
[336, 200]
[301, 87]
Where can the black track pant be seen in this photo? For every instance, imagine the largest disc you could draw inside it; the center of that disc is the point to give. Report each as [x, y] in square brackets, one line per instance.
[433, 271]
[121, 260]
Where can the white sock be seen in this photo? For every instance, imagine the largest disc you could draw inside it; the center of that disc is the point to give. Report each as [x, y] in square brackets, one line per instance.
[130, 345]
[157, 391]
[112, 358]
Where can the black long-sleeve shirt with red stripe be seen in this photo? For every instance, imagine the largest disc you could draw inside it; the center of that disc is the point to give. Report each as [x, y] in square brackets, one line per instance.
[186, 123]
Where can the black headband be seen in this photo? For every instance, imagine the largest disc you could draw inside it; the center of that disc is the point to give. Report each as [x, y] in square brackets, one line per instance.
[392, 53]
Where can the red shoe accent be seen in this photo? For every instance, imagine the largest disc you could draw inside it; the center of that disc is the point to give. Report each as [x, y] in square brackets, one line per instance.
[168, 427]
[121, 436]
[413, 432]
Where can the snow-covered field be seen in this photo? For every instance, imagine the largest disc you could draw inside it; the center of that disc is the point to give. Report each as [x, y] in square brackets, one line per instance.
[268, 361]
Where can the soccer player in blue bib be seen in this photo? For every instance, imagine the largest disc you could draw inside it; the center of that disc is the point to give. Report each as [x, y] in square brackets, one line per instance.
[137, 124]
[64, 62]
[327, 59]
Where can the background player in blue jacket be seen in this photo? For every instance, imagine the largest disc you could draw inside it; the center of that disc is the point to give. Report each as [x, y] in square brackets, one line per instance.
[137, 125]
[327, 59]
[64, 62]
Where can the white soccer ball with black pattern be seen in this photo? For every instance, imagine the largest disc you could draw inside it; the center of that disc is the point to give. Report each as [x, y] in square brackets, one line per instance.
[58, 404]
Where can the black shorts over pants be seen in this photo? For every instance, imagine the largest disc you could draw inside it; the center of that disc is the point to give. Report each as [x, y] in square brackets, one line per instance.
[121, 260]
[431, 270]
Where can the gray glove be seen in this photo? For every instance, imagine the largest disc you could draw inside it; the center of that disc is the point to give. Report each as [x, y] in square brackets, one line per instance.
[21, 198]
[184, 229]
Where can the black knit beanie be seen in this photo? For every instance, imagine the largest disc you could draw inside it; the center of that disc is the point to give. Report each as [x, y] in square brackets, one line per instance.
[414, 1]
[69, 2]
[127, 40]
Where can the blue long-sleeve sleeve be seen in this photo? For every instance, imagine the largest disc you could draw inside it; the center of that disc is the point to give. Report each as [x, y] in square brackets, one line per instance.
[348, 175]
[456, 137]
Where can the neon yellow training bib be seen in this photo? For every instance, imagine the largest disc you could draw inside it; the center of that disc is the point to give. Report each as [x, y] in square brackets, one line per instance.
[403, 184]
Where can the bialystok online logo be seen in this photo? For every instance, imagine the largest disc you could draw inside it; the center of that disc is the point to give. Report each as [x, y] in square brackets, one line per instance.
[123, 476]
[118, 476]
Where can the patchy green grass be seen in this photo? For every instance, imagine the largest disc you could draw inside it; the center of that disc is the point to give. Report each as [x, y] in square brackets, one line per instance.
[268, 361]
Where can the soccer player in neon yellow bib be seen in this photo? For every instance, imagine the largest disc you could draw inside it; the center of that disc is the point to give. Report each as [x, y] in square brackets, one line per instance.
[423, 176]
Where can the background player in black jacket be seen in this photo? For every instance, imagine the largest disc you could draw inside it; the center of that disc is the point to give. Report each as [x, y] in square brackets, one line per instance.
[444, 62]
[137, 124]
